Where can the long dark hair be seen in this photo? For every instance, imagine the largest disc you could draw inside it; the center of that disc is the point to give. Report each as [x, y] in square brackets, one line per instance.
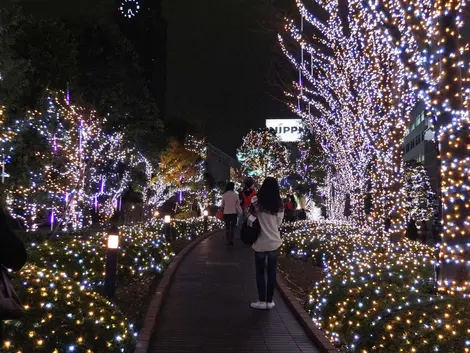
[269, 197]
[230, 186]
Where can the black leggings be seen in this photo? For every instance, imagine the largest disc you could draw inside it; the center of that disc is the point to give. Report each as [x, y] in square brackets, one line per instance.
[230, 220]
[230, 224]
[266, 285]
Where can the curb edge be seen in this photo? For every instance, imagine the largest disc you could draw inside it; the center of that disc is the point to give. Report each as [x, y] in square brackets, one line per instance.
[155, 306]
[313, 332]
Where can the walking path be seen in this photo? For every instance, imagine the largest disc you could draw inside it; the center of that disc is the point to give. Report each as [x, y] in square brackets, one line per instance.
[207, 309]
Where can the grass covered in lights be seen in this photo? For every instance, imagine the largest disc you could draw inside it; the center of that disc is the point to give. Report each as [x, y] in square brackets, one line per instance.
[377, 296]
[61, 284]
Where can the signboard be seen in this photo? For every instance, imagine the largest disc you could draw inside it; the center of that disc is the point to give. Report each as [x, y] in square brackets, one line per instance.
[288, 130]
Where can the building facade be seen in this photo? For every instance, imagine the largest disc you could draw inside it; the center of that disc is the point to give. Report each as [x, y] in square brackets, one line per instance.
[142, 22]
[219, 164]
[420, 145]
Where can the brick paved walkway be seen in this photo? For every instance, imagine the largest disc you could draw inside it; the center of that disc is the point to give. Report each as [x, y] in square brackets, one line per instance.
[207, 309]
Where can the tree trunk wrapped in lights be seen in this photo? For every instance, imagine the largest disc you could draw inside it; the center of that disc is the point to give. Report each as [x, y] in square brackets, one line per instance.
[353, 91]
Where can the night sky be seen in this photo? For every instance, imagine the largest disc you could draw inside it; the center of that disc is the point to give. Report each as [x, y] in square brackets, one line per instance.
[222, 64]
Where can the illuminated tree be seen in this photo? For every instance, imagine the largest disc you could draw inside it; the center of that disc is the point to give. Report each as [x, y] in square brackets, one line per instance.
[423, 38]
[63, 166]
[428, 36]
[417, 193]
[354, 94]
[178, 164]
[262, 154]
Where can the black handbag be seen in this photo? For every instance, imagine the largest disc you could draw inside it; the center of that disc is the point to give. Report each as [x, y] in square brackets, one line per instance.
[250, 230]
[10, 305]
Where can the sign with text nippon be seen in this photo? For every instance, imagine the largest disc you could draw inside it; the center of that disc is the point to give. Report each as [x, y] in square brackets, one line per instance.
[287, 129]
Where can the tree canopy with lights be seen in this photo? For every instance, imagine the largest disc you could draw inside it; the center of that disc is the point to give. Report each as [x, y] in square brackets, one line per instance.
[262, 154]
[62, 166]
[354, 94]
[418, 196]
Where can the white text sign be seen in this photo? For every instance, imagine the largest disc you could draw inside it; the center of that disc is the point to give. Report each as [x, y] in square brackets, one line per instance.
[288, 130]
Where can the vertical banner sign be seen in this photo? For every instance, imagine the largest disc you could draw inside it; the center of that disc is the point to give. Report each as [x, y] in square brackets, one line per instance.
[288, 130]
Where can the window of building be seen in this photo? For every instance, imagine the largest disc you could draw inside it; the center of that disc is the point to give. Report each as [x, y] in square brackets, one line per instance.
[412, 145]
[418, 140]
[407, 147]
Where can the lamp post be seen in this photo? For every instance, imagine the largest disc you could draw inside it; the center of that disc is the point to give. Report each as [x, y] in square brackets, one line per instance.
[111, 263]
[206, 220]
[167, 227]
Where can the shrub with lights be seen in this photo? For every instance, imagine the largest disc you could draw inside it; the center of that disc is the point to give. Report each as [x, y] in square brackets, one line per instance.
[377, 296]
[143, 250]
[64, 312]
[62, 317]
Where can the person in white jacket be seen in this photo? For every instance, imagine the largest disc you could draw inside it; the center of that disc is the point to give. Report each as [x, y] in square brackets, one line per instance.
[269, 210]
[231, 208]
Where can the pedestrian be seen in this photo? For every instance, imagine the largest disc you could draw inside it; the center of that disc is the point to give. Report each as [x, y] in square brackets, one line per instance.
[412, 230]
[247, 194]
[12, 257]
[12, 250]
[231, 209]
[269, 209]
[288, 210]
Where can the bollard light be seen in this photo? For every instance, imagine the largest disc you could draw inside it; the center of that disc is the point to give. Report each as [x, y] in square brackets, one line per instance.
[113, 241]
[167, 227]
[206, 220]
[111, 262]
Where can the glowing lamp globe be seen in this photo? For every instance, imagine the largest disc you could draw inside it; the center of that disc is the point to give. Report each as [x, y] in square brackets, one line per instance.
[167, 219]
[113, 241]
[205, 213]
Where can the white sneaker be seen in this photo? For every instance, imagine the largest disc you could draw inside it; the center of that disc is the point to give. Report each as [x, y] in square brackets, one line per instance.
[259, 305]
[270, 305]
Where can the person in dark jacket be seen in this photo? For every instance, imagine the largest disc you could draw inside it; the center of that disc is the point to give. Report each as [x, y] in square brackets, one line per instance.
[246, 195]
[412, 230]
[12, 250]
